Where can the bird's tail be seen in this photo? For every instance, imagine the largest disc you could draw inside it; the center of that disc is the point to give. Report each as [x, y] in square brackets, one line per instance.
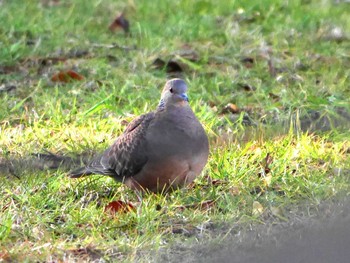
[80, 172]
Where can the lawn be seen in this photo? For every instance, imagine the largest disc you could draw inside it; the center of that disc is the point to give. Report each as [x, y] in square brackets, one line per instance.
[269, 81]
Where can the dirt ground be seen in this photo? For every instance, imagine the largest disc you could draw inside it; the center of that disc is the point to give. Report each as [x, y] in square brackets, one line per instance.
[313, 233]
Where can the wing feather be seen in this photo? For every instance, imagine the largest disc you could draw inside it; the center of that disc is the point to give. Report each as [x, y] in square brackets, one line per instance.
[126, 156]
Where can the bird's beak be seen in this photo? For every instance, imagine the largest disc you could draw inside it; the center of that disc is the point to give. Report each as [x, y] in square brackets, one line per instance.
[184, 97]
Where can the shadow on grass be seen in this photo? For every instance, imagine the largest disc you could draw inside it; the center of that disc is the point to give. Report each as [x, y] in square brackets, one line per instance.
[312, 121]
[16, 167]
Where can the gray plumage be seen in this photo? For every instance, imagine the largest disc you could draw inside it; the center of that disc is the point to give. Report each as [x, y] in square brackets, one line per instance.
[158, 151]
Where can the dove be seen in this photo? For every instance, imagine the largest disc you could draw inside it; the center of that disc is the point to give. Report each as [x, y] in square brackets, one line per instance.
[160, 151]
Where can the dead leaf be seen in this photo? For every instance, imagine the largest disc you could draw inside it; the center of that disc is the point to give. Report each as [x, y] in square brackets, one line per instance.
[118, 206]
[5, 256]
[230, 108]
[66, 76]
[265, 165]
[120, 22]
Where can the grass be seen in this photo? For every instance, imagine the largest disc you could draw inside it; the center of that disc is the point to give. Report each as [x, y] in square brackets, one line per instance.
[253, 171]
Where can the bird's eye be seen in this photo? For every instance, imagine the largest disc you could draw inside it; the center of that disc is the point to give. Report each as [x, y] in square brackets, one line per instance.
[171, 90]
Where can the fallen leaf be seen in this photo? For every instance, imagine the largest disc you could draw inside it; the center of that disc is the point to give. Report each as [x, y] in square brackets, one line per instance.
[265, 165]
[230, 108]
[5, 256]
[118, 206]
[120, 22]
[66, 76]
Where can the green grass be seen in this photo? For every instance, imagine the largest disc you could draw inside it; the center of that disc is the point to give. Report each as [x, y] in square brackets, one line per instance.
[46, 216]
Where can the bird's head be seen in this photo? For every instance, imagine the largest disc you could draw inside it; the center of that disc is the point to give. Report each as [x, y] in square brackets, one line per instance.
[174, 93]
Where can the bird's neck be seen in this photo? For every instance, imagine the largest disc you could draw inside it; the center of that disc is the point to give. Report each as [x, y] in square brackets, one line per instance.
[161, 105]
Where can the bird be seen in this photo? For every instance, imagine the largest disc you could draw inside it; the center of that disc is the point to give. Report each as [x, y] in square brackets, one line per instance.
[160, 151]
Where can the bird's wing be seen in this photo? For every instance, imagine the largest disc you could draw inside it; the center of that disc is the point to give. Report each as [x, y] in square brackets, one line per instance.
[127, 155]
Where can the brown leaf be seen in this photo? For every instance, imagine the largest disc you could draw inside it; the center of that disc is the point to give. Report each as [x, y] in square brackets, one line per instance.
[118, 206]
[267, 161]
[120, 22]
[230, 108]
[66, 76]
[5, 256]
[265, 165]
